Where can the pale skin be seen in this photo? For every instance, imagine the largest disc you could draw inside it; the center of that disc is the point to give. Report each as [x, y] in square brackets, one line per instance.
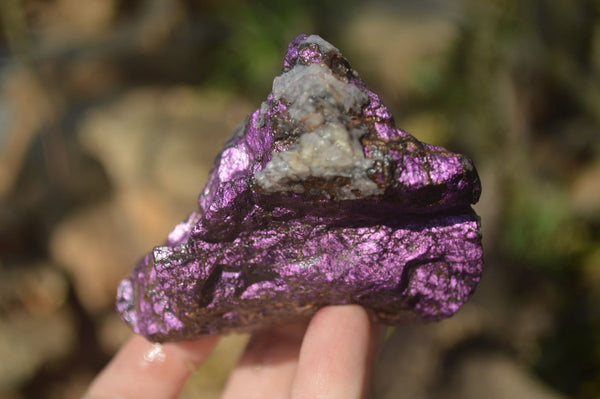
[329, 357]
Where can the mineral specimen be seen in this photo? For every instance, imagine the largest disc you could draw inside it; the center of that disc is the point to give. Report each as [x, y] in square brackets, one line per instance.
[317, 199]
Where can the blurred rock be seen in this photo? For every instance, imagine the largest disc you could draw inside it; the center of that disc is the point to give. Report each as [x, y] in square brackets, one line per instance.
[421, 362]
[37, 289]
[470, 322]
[112, 333]
[98, 245]
[25, 108]
[585, 192]
[35, 326]
[386, 38]
[167, 137]
[87, 77]
[407, 365]
[69, 20]
[72, 386]
[42, 292]
[157, 146]
[160, 19]
[493, 376]
[12, 395]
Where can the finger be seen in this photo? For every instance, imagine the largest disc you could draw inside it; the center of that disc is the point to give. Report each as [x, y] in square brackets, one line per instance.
[336, 356]
[267, 367]
[143, 369]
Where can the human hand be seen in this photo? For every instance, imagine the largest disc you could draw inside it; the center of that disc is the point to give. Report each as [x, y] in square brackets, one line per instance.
[332, 357]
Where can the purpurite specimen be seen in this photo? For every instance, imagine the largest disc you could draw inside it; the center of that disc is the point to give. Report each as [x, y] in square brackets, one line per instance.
[317, 199]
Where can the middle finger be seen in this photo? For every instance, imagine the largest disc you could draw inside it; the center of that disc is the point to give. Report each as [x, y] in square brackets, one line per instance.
[267, 367]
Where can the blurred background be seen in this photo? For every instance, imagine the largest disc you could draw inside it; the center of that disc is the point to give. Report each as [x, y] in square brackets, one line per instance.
[111, 112]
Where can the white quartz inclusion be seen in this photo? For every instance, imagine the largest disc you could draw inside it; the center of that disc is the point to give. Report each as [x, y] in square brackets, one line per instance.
[319, 103]
[314, 89]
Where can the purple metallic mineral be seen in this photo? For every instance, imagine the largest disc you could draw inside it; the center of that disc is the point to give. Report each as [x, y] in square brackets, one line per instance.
[317, 199]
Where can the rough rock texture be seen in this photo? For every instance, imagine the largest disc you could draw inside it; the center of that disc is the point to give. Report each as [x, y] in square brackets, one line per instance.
[317, 199]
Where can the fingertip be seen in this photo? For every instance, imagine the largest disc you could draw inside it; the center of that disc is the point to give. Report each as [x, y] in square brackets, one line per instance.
[150, 370]
[345, 314]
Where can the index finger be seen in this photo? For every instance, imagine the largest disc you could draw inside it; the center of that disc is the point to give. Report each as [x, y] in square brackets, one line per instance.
[142, 369]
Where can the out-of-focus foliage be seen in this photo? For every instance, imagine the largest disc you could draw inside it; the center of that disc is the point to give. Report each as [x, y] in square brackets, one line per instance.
[523, 88]
[529, 97]
[253, 35]
[112, 111]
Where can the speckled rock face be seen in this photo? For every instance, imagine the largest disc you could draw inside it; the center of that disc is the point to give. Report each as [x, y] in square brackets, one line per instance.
[317, 199]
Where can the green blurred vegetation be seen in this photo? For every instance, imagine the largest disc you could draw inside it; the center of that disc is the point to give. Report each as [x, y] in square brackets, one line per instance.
[254, 34]
[523, 92]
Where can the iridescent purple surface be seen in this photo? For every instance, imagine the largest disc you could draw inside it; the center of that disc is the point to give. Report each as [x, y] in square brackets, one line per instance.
[317, 199]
